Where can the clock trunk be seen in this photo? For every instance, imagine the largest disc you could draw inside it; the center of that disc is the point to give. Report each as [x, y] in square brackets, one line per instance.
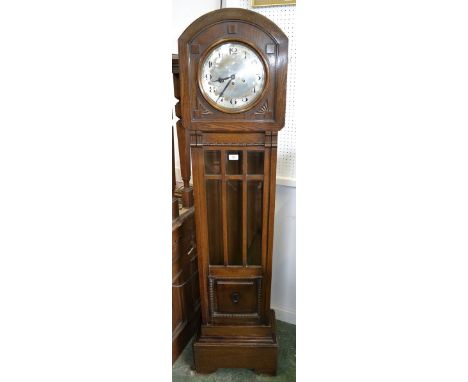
[235, 199]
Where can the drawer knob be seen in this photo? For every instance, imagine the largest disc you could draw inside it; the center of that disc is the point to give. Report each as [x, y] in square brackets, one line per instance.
[235, 297]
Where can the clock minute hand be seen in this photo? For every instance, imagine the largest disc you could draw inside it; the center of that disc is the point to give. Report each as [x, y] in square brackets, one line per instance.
[232, 76]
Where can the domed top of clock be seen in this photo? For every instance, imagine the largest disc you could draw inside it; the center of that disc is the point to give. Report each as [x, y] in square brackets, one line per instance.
[233, 66]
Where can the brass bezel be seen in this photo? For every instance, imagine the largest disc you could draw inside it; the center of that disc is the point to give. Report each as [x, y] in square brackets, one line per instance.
[262, 59]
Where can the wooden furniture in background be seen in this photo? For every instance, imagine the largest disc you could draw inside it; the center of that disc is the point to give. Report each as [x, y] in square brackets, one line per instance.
[234, 177]
[185, 289]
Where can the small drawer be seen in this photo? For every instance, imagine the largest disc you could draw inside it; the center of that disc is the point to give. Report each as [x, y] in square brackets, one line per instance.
[233, 297]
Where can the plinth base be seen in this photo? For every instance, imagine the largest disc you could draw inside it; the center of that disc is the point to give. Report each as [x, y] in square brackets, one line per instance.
[247, 350]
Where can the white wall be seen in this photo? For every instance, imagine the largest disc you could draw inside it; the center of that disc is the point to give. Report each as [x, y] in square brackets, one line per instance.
[283, 294]
[283, 289]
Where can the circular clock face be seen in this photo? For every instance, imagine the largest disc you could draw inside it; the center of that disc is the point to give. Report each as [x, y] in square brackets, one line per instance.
[232, 77]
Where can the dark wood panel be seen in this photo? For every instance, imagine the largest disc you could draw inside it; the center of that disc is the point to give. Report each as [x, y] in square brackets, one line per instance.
[237, 331]
[209, 356]
[226, 139]
[236, 296]
[235, 271]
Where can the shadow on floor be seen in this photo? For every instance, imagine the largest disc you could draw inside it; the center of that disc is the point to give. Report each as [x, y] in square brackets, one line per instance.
[182, 369]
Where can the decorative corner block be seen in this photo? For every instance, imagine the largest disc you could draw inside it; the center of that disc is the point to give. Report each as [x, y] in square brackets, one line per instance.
[270, 49]
[232, 29]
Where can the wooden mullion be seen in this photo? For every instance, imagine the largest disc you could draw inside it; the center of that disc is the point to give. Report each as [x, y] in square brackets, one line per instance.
[234, 177]
[215, 177]
[255, 177]
[224, 206]
[244, 207]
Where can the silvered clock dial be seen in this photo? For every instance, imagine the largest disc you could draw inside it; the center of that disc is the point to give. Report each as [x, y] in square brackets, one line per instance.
[232, 77]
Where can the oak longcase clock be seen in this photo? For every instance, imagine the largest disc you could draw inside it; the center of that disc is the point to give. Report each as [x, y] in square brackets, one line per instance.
[233, 65]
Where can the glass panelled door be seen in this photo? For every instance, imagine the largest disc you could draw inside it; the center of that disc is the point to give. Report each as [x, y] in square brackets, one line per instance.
[234, 184]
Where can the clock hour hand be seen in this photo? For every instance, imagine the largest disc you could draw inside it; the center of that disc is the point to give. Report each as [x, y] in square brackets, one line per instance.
[220, 80]
[232, 76]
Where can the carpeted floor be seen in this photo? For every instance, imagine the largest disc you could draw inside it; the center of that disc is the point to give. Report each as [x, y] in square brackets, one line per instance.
[286, 334]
